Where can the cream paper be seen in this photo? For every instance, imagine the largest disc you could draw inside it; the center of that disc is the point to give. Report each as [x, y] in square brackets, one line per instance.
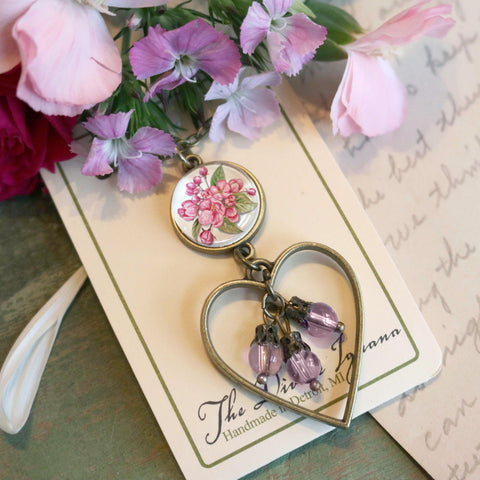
[152, 288]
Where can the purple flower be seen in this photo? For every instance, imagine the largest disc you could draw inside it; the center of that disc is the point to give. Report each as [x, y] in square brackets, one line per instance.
[249, 105]
[291, 40]
[179, 54]
[138, 169]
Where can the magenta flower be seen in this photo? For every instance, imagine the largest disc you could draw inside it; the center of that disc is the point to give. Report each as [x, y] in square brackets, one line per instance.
[69, 59]
[206, 237]
[291, 40]
[138, 169]
[249, 105]
[179, 54]
[371, 99]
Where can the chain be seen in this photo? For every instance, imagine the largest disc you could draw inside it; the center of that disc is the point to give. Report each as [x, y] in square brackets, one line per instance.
[273, 304]
[184, 147]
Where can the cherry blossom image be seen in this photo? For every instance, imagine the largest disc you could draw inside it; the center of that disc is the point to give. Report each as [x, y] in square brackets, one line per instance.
[216, 205]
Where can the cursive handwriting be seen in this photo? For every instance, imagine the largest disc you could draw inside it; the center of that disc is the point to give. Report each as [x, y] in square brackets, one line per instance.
[408, 398]
[381, 339]
[450, 182]
[434, 294]
[457, 474]
[472, 331]
[432, 441]
[447, 55]
[353, 149]
[452, 259]
[402, 234]
[368, 201]
[399, 168]
[455, 110]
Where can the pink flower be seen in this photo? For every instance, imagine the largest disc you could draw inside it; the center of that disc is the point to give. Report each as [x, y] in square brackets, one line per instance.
[192, 188]
[230, 201]
[179, 54]
[206, 237]
[212, 212]
[69, 59]
[249, 105]
[291, 40]
[232, 214]
[236, 184]
[223, 188]
[203, 171]
[188, 211]
[371, 99]
[138, 169]
[251, 191]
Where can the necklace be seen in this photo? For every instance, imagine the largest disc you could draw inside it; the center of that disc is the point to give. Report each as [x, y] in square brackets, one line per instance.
[217, 208]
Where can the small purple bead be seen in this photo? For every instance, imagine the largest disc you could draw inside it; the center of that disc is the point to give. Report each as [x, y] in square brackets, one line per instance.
[321, 319]
[303, 366]
[265, 358]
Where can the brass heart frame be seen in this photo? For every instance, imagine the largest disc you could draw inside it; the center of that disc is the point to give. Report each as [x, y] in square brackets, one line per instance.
[343, 422]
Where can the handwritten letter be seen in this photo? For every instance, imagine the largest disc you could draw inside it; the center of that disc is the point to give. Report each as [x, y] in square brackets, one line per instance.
[421, 188]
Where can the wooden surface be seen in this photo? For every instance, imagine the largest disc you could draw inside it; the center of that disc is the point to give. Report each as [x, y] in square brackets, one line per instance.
[90, 419]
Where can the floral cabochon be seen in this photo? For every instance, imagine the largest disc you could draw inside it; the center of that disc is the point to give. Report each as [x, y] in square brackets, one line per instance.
[217, 206]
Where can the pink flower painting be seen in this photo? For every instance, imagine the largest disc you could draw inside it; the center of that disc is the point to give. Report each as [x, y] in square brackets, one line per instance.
[215, 203]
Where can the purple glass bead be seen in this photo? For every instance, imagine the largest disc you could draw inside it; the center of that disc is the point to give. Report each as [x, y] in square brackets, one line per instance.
[303, 366]
[321, 319]
[265, 358]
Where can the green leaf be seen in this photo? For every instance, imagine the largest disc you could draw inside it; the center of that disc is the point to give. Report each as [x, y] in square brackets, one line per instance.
[340, 25]
[229, 227]
[218, 174]
[243, 204]
[298, 6]
[195, 229]
[330, 52]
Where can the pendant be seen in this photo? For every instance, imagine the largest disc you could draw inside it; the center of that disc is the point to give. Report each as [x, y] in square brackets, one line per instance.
[218, 207]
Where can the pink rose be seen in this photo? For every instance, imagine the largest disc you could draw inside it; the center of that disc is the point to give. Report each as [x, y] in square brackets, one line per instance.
[28, 140]
[206, 237]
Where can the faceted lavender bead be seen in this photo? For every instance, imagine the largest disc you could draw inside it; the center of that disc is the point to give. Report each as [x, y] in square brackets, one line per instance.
[321, 319]
[303, 366]
[265, 358]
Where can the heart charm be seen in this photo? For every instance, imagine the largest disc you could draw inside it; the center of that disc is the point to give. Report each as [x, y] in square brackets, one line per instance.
[341, 389]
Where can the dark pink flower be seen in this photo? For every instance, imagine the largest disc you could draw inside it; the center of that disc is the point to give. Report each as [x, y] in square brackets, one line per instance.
[232, 214]
[230, 201]
[188, 211]
[251, 191]
[291, 40]
[236, 184]
[371, 99]
[192, 188]
[203, 171]
[206, 237]
[179, 54]
[212, 212]
[28, 140]
[138, 166]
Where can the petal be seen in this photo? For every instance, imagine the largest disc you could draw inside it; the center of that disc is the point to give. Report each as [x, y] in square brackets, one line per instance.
[218, 91]
[277, 8]
[408, 26]
[69, 59]
[152, 54]
[220, 58]
[303, 34]
[217, 127]
[370, 100]
[9, 54]
[166, 82]
[254, 27]
[135, 3]
[260, 107]
[152, 140]
[98, 159]
[251, 80]
[136, 175]
[109, 126]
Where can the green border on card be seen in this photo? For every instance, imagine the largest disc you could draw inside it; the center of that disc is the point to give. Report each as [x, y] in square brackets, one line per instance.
[149, 353]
